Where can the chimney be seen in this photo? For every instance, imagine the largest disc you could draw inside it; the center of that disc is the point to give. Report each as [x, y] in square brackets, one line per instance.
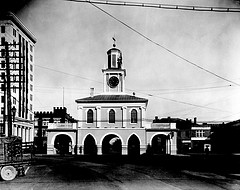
[195, 120]
[133, 93]
[91, 92]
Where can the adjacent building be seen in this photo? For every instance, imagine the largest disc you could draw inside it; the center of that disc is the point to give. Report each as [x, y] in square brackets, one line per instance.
[200, 137]
[47, 123]
[16, 74]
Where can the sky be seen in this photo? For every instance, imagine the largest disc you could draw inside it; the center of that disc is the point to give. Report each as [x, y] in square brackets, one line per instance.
[189, 67]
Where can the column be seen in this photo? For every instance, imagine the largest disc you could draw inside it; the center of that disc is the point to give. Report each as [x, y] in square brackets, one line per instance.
[174, 143]
[27, 135]
[124, 116]
[15, 131]
[98, 122]
[31, 134]
[19, 131]
[99, 149]
[80, 116]
[23, 134]
[124, 150]
[143, 112]
[104, 82]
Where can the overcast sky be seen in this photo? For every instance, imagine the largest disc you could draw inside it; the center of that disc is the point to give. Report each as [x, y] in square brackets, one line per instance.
[73, 38]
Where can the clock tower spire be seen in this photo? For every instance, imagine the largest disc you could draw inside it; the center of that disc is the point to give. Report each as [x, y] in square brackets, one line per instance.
[114, 74]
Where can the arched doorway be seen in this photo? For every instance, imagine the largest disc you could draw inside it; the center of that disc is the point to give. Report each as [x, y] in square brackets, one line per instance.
[159, 144]
[133, 146]
[112, 145]
[63, 144]
[90, 146]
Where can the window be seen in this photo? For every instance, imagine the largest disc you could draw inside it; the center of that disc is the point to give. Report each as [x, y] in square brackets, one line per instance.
[31, 68]
[134, 116]
[14, 89]
[2, 40]
[14, 101]
[14, 32]
[2, 110]
[114, 60]
[199, 133]
[90, 116]
[31, 107]
[31, 97]
[2, 29]
[3, 52]
[31, 87]
[2, 64]
[14, 77]
[2, 87]
[1, 128]
[2, 75]
[111, 116]
[31, 58]
[14, 43]
[31, 48]
[2, 99]
[14, 66]
[31, 78]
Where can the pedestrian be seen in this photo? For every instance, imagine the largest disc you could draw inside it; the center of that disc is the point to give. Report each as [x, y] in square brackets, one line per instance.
[207, 150]
[75, 149]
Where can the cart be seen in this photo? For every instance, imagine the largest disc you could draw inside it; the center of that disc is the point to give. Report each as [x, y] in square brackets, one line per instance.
[15, 157]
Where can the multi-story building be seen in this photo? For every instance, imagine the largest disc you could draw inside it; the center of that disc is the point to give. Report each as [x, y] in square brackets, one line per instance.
[17, 58]
[200, 137]
[48, 121]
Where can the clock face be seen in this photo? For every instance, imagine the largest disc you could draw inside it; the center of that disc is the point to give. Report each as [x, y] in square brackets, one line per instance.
[113, 82]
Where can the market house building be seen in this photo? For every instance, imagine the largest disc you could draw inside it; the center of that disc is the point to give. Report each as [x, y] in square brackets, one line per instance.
[113, 122]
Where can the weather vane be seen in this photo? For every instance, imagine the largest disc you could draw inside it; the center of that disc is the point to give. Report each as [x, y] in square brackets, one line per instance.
[114, 42]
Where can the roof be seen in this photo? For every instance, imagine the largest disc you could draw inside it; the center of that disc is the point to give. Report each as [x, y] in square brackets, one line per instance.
[18, 22]
[112, 99]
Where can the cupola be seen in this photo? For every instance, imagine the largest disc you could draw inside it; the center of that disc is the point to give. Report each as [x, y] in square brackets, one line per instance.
[114, 58]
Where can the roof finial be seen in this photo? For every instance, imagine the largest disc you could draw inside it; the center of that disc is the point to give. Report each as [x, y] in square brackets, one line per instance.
[114, 41]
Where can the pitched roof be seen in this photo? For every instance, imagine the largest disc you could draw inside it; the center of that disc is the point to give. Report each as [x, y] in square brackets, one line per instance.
[111, 99]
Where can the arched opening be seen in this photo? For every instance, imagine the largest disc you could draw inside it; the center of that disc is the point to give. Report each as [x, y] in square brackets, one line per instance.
[63, 144]
[111, 116]
[90, 147]
[134, 116]
[159, 144]
[90, 116]
[133, 146]
[111, 145]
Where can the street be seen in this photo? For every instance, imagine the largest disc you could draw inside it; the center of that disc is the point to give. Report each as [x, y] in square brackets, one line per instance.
[75, 173]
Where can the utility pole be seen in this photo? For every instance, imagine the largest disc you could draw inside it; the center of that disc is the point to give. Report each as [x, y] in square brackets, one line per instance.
[9, 103]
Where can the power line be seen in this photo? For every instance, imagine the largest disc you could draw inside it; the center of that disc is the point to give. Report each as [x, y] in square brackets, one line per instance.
[66, 73]
[150, 95]
[163, 6]
[159, 45]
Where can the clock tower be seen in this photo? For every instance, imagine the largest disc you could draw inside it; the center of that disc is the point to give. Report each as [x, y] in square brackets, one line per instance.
[114, 74]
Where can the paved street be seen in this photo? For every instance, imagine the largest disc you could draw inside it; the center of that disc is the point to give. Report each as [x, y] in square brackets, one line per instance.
[76, 173]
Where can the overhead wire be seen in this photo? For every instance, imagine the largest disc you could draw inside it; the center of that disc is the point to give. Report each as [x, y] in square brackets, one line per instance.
[163, 6]
[161, 46]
